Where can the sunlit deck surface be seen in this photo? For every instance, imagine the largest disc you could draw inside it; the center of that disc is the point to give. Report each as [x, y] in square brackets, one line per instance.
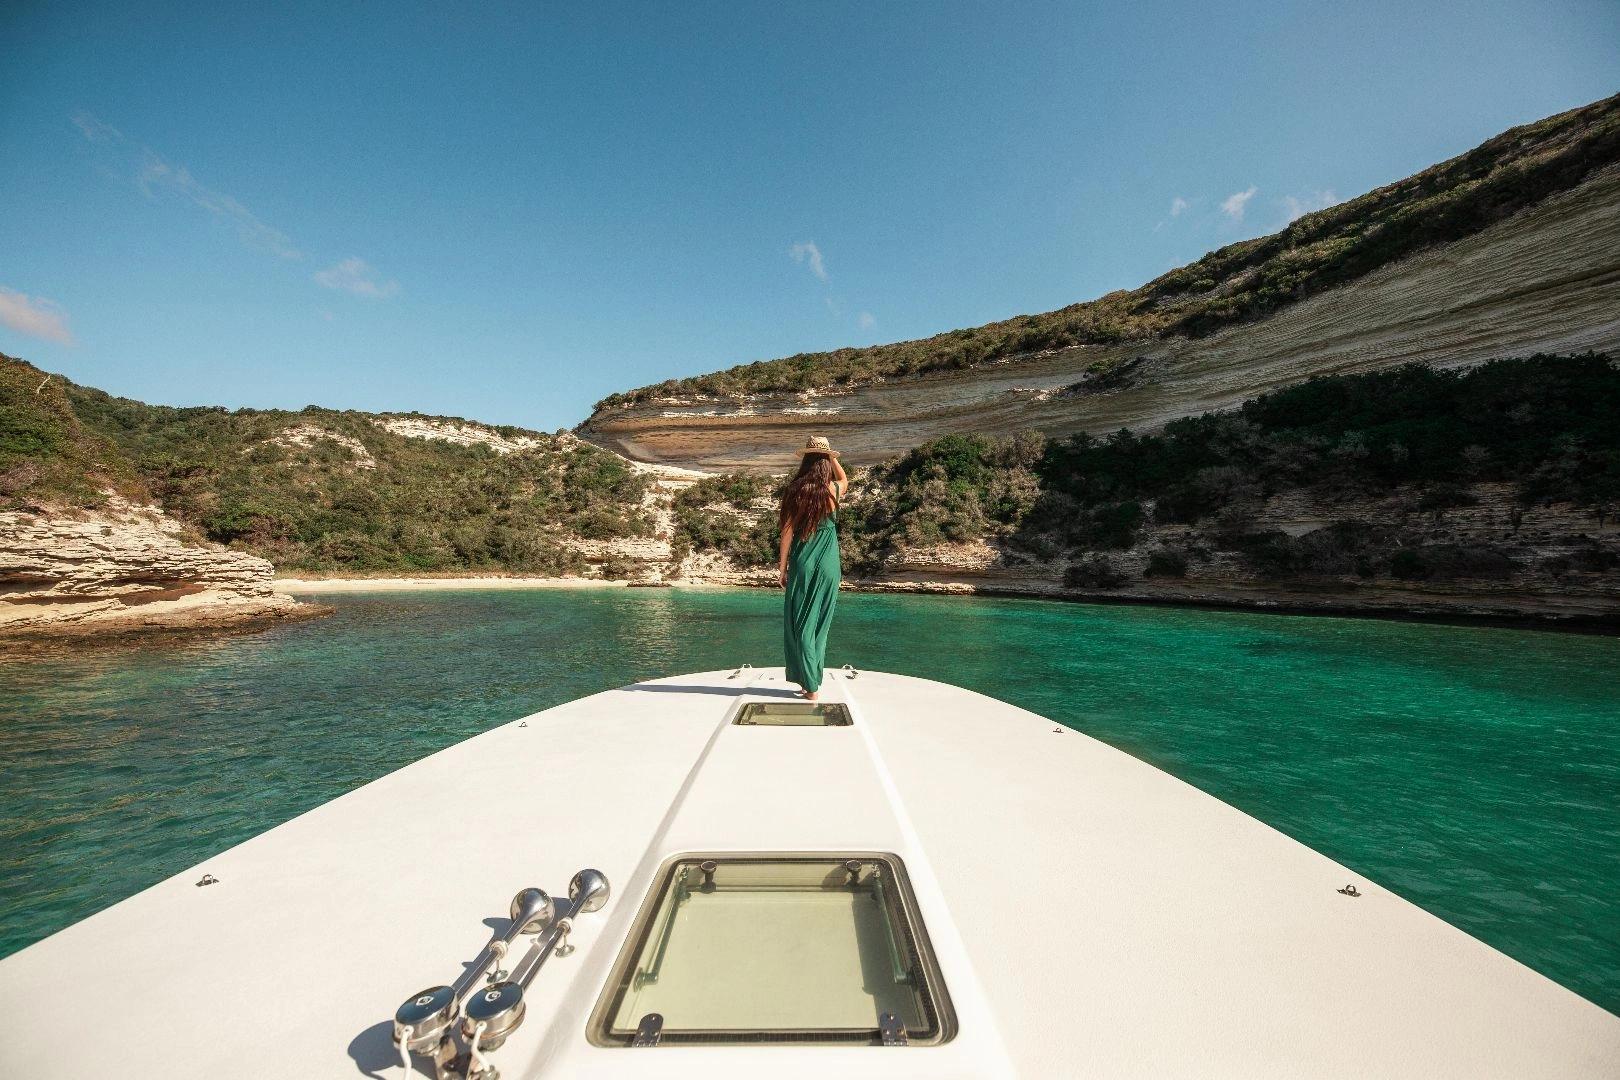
[1084, 914]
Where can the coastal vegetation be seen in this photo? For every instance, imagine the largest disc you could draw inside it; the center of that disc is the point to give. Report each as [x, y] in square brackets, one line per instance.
[318, 490]
[1374, 457]
[1237, 283]
[46, 454]
[1414, 442]
[731, 515]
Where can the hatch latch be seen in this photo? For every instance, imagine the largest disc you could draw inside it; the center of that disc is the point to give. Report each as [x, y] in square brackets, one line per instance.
[649, 1031]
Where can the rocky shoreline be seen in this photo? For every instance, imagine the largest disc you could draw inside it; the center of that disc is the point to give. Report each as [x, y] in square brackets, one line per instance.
[128, 569]
[1449, 606]
[125, 568]
[1525, 611]
[1553, 569]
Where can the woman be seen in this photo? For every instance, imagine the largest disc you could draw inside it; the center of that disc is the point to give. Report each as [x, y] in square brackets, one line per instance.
[807, 561]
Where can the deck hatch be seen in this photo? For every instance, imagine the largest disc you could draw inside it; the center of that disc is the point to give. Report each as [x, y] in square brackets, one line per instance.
[794, 714]
[749, 949]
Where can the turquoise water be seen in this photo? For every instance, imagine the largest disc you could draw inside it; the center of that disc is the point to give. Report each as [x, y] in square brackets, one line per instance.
[1474, 771]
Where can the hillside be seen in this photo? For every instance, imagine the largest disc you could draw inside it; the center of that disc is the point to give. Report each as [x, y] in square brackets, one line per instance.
[1491, 491]
[1236, 283]
[321, 490]
[115, 514]
[1416, 490]
[1510, 249]
[82, 550]
[46, 454]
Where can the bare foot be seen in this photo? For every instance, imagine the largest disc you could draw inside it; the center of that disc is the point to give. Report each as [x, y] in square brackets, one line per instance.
[808, 695]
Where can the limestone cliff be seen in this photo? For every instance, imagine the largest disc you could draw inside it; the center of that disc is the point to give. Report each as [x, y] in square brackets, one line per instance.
[124, 567]
[1544, 280]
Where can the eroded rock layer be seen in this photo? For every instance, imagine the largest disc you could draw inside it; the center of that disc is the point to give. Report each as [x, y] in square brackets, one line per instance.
[125, 567]
[1546, 280]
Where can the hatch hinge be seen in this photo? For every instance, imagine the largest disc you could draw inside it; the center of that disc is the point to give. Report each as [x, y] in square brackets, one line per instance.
[649, 1031]
[891, 1029]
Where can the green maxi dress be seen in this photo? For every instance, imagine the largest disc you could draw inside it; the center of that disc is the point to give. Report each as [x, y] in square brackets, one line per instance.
[812, 592]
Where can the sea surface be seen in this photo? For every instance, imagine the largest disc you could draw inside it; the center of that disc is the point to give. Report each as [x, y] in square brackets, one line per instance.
[1474, 771]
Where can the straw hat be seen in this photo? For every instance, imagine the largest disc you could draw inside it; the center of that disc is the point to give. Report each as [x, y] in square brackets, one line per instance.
[818, 445]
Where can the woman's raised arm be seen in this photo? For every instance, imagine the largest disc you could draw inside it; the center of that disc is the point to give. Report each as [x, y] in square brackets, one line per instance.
[843, 478]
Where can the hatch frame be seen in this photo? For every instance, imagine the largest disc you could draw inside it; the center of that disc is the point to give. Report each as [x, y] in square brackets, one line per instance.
[932, 994]
[834, 714]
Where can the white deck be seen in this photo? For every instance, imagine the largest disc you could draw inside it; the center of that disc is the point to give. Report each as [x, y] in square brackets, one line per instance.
[1091, 915]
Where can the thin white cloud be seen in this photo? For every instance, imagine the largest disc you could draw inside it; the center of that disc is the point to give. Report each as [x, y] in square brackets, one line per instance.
[1297, 206]
[1235, 203]
[355, 275]
[96, 131]
[1178, 206]
[156, 176]
[34, 316]
[808, 253]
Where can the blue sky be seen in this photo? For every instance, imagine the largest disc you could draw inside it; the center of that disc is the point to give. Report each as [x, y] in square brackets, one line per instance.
[509, 211]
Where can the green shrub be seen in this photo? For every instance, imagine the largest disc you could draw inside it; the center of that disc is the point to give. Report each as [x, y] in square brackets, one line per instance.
[1448, 562]
[1545, 421]
[1167, 563]
[238, 521]
[953, 489]
[619, 569]
[1093, 572]
[1587, 558]
[1112, 525]
[748, 539]
[737, 490]
[1446, 497]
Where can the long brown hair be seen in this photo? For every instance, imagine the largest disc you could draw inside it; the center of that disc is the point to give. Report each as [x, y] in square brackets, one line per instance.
[808, 498]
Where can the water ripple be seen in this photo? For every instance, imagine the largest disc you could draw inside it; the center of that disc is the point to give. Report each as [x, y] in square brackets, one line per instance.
[1475, 771]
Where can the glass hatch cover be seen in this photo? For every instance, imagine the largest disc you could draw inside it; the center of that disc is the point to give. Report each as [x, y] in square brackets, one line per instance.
[794, 714]
[748, 949]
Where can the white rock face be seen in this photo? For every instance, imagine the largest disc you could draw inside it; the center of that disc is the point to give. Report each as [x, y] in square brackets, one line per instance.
[461, 434]
[654, 552]
[305, 436]
[121, 568]
[1545, 280]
